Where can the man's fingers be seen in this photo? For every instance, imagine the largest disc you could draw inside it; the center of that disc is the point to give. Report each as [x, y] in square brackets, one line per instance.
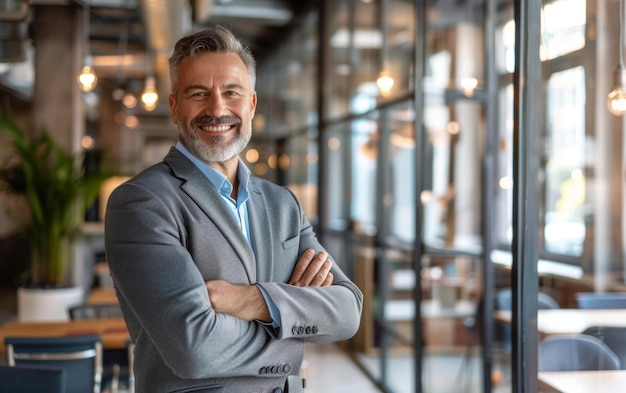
[316, 266]
[311, 270]
[329, 280]
[301, 266]
[322, 274]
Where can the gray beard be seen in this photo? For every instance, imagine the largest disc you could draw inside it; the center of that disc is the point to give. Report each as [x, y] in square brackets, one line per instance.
[217, 151]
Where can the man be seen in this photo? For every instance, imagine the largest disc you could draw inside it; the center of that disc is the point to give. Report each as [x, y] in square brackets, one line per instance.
[219, 274]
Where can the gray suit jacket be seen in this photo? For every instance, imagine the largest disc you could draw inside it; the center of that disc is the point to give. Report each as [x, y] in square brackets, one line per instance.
[167, 231]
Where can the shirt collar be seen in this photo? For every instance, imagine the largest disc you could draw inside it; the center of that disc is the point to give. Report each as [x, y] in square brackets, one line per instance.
[217, 178]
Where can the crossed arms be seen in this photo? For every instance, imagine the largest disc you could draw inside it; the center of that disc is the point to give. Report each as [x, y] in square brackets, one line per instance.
[246, 301]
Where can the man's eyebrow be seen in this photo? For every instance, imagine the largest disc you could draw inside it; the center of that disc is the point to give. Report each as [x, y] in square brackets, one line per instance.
[227, 86]
[234, 86]
[195, 87]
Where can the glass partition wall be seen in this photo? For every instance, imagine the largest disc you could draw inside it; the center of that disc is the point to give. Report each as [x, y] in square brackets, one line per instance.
[457, 158]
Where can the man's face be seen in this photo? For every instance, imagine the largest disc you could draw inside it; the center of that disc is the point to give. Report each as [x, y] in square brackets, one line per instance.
[213, 106]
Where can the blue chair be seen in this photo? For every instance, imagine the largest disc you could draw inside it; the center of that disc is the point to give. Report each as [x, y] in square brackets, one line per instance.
[79, 356]
[504, 301]
[19, 379]
[601, 300]
[614, 337]
[579, 352]
[116, 366]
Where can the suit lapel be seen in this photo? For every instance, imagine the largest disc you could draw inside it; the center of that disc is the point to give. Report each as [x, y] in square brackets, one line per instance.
[208, 199]
[260, 230]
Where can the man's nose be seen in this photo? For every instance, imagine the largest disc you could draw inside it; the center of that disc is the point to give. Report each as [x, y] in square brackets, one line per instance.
[216, 106]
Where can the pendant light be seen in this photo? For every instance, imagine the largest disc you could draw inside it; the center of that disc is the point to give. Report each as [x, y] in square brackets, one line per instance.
[616, 100]
[149, 96]
[87, 79]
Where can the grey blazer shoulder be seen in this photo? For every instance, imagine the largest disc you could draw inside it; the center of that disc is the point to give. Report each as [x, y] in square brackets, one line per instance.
[167, 231]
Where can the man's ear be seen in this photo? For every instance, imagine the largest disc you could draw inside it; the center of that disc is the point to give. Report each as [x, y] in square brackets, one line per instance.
[253, 104]
[171, 101]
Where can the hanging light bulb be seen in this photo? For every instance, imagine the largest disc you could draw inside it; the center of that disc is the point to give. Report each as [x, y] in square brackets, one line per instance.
[385, 83]
[616, 100]
[149, 96]
[87, 79]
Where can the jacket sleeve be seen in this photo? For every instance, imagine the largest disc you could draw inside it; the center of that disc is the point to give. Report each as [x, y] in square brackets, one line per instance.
[315, 314]
[166, 299]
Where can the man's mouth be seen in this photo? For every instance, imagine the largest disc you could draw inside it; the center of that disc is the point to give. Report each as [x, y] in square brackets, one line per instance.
[216, 127]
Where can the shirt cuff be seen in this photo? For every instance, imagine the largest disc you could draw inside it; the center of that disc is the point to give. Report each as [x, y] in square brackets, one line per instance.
[274, 313]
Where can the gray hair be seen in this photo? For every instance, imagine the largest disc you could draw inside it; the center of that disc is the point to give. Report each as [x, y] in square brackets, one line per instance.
[217, 39]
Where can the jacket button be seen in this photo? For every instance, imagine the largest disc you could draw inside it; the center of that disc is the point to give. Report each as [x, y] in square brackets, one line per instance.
[301, 330]
[286, 368]
[315, 329]
[308, 330]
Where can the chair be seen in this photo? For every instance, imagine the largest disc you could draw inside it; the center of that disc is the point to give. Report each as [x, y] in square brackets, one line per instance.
[504, 301]
[22, 379]
[580, 352]
[115, 363]
[79, 356]
[614, 337]
[598, 300]
[92, 311]
[501, 333]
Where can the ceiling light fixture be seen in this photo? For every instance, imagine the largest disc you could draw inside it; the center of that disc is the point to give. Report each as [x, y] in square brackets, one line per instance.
[149, 96]
[87, 79]
[385, 83]
[616, 100]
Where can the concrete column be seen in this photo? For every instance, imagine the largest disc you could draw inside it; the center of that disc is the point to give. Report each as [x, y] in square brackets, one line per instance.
[57, 101]
[58, 104]
[606, 190]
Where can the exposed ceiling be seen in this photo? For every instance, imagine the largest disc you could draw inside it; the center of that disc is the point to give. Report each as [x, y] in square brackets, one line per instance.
[130, 39]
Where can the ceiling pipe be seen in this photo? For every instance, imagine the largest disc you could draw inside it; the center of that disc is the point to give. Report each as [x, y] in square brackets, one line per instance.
[166, 22]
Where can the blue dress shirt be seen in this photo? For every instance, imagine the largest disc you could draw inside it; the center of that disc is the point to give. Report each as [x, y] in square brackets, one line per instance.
[238, 208]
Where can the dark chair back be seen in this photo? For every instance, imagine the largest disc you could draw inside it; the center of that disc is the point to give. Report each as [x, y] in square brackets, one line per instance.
[597, 300]
[93, 311]
[579, 352]
[79, 356]
[18, 379]
[614, 337]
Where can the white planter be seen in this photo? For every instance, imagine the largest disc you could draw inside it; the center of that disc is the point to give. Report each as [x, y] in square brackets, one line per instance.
[47, 305]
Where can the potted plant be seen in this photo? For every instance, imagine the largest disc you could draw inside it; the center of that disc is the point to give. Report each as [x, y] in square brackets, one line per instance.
[57, 192]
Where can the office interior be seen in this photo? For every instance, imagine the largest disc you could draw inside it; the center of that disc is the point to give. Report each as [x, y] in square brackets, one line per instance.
[444, 150]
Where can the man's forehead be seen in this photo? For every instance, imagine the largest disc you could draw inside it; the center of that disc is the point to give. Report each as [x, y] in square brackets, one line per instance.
[215, 65]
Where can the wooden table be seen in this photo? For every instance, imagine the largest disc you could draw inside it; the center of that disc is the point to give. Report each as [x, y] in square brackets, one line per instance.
[113, 330]
[570, 320]
[583, 381]
[102, 296]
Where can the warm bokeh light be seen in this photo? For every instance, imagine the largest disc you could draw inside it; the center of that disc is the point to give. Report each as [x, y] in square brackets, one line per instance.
[283, 161]
[131, 122]
[87, 80]
[149, 96]
[506, 182]
[385, 83]
[334, 143]
[260, 169]
[272, 161]
[88, 143]
[129, 101]
[252, 155]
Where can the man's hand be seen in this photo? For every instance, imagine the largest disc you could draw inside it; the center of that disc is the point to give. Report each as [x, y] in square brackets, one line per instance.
[312, 270]
[242, 301]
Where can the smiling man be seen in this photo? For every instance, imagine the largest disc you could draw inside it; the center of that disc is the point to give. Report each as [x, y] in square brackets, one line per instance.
[219, 274]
